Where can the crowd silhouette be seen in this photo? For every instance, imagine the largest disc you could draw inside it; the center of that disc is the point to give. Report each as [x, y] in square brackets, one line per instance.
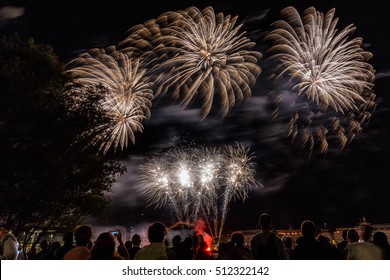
[360, 243]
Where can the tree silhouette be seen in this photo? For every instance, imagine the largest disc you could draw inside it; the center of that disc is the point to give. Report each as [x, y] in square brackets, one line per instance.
[47, 175]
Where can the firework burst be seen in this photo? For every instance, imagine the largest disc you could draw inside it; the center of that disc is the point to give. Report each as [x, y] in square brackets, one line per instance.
[128, 99]
[203, 56]
[328, 72]
[199, 182]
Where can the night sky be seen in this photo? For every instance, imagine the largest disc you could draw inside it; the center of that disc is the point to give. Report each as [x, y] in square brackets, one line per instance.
[338, 188]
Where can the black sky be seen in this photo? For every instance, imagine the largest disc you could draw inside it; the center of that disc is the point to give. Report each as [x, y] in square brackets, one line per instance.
[338, 188]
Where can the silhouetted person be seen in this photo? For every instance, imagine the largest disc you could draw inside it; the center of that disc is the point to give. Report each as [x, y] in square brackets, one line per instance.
[8, 245]
[104, 248]
[81, 251]
[288, 246]
[265, 245]
[331, 250]
[128, 246]
[186, 251]
[202, 252]
[223, 253]
[122, 251]
[307, 247]
[343, 243]
[136, 241]
[352, 236]
[364, 249]
[176, 241]
[237, 247]
[380, 239]
[174, 250]
[67, 245]
[45, 250]
[156, 249]
[32, 253]
[52, 251]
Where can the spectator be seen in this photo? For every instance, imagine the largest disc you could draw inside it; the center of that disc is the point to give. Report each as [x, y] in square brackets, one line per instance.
[136, 241]
[224, 252]
[128, 246]
[307, 247]
[343, 243]
[380, 239]
[81, 251]
[265, 245]
[331, 250]
[176, 241]
[122, 251]
[202, 250]
[173, 251]
[67, 245]
[236, 245]
[156, 249]
[186, 251]
[8, 245]
[31, 255]
[288, 246]
[43, 254]
[364, 249]
[104, 248]
[352, 236]
[52, 251]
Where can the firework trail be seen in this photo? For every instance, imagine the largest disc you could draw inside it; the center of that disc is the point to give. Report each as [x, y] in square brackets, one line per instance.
[155, 174]
[329, 76]
[128, 99]
[239, 177]
[199, 182]
[182, 180]
[202, 56]
[209, 163]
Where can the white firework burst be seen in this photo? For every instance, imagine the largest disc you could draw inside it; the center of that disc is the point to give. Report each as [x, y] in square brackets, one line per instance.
[128, 99]
[202, 56]
[326, 69]
[199, 182]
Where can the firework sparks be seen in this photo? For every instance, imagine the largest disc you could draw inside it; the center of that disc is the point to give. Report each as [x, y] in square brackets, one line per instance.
[328, 71]
[128, 99]
[239, 176]
[202, 54]
[199, 182]
[210, 163]
[155, 175]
